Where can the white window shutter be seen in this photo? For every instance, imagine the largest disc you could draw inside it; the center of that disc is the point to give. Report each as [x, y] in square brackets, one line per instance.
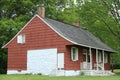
[76, 53]
[23, 38]
[72, 54]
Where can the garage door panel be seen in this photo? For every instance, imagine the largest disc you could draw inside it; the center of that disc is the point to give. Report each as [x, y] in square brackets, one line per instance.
[42, 61]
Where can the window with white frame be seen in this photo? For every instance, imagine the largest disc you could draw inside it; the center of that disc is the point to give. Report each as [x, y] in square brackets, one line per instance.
[74, 53]
[21, 39]
[105, 58]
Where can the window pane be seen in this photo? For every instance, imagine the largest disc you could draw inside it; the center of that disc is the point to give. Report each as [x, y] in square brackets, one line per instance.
[84, 57]
[105, 57]
[84, 51]
[74, 53]
[23, 38]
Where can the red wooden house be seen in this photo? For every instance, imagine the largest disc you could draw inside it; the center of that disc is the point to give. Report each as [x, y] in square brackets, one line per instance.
[54, 48]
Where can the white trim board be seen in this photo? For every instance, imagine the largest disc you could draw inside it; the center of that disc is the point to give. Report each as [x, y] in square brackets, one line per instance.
[17, 72]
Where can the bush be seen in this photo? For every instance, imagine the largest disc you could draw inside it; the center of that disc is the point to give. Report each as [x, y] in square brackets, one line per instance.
[82, 73]
[116, 66]
[2, 71]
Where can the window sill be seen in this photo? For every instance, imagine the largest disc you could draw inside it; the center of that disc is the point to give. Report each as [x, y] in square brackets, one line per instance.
[20, 43]
[74, 60]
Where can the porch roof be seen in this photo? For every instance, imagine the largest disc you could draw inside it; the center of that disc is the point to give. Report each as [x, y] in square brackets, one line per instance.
[78, 35]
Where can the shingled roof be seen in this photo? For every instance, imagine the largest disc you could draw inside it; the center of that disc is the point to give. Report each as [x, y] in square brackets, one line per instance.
[77, 35]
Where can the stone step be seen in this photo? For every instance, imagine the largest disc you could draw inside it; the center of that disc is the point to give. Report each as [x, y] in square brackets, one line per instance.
[103, 73]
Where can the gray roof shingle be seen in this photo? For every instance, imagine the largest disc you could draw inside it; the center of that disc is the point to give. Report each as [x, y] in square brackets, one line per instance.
[78, 35]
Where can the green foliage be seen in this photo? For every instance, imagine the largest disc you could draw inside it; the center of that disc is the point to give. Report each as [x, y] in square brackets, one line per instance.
[3, 61]
[12, 8]
[8, 28]
[95, 15]
[68, 16]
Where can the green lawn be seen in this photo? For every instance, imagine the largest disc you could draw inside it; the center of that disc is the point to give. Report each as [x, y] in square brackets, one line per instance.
[38, 77]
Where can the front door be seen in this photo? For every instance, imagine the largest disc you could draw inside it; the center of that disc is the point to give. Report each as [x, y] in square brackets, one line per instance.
[60, 60]
[86, 59]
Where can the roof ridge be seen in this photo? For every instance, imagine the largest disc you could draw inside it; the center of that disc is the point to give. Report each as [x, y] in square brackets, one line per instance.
[84, 28]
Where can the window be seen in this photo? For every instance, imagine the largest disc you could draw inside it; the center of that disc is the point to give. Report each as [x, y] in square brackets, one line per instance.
[85, 55]
[74, 54]
[21, 39]
[105, 58]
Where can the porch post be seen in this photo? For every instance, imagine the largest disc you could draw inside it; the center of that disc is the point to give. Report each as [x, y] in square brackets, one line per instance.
[97, 58]
[103, 59]
[90, 58]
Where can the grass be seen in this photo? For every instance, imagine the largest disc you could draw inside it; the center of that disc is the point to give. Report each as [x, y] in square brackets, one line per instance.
[39, 77]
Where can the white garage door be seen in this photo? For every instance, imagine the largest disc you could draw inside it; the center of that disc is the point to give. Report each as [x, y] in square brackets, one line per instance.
[42, 61]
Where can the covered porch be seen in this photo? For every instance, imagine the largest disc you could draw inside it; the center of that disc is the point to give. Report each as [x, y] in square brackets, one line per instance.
[97, 67]
[101, 58]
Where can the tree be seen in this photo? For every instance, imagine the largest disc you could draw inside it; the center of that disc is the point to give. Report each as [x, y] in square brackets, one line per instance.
[8, 28]
[113, 7]
[98, 19]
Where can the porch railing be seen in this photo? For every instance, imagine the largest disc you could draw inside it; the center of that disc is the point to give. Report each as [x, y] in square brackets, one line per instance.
[100, 66]
[85, 66]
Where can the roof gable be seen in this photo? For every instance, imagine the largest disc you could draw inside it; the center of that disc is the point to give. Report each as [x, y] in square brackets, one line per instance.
[19, 31]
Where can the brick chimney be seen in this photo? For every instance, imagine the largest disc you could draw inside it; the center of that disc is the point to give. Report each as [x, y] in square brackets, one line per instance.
[41, 11]
[77, 24]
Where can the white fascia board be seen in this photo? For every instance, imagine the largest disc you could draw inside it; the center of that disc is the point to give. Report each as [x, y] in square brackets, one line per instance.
[19, 31]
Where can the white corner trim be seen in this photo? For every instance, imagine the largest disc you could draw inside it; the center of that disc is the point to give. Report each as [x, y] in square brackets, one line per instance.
[19, 31]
